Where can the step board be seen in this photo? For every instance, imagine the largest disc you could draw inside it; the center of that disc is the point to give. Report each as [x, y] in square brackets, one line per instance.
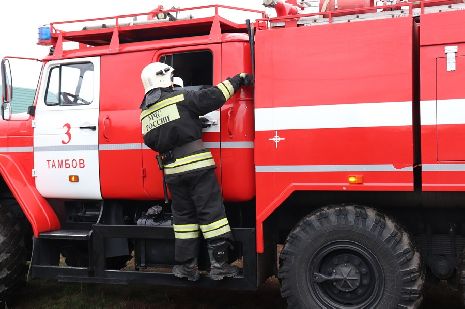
[82, 275]
[66, 234]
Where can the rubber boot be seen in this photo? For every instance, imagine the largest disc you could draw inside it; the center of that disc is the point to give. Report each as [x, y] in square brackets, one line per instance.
[187, 270]
[218, 253]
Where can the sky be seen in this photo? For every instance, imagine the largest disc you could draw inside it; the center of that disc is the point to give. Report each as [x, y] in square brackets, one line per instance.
[19, 20]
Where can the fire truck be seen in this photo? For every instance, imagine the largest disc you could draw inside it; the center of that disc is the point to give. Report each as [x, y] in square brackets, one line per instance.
[342, 169]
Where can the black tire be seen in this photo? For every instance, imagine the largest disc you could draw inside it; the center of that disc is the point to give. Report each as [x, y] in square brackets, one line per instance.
[461, 278]
[13, 254]
[350, 257]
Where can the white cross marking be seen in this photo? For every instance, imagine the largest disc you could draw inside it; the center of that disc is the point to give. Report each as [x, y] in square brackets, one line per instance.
[276, 139]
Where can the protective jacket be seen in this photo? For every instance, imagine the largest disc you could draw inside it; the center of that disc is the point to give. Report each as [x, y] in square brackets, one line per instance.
[170, 118]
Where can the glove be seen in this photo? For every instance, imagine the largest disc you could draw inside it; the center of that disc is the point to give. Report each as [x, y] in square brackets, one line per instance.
[242, 79]
[205, 122]
[246, 79]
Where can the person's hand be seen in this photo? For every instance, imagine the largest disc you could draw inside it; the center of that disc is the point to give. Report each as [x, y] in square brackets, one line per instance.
[205, 122]
[246, 79]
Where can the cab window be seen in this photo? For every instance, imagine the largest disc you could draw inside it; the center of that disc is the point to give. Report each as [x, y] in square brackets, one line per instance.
[70, 84]
[195, 68]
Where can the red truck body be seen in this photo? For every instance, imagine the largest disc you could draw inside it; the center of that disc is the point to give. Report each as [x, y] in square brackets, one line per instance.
[355, 113]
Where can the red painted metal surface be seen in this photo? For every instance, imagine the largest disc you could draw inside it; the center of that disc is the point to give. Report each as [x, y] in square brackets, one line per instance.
[283, 8]
[367, 62]
[443, 101]
[16, 163]
[37, 210]
[121, 155]
[332, 5]
[237, 119]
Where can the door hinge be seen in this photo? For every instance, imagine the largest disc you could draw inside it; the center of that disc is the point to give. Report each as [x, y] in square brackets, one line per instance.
[451, 54]
[33, 123]
[34, 173]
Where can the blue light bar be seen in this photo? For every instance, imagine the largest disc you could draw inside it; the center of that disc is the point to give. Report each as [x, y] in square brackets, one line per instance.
[44, 33]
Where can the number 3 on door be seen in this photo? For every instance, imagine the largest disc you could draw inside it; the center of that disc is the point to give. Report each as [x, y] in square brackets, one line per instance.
[67, 126]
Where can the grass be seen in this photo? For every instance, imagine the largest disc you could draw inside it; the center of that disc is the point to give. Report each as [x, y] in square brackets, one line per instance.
[44, 294]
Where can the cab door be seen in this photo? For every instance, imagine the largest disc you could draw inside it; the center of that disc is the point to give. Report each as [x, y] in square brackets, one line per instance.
[66, 161]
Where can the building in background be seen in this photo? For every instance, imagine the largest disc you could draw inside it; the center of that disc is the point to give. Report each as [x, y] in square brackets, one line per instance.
[22, 98]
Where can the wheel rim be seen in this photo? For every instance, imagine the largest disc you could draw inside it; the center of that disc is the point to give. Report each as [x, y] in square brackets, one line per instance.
[345, 274]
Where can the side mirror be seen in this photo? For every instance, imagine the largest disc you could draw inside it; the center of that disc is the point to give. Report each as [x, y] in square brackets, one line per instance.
[6, 111]
[7, 89]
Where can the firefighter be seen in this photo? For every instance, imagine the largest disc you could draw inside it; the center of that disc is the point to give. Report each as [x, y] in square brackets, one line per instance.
[171, 126]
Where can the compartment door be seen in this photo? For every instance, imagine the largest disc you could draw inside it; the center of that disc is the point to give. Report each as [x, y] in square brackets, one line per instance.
[450, 108]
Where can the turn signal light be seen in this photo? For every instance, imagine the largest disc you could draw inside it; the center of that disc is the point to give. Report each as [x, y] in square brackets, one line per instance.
[355, 179]
[73, 178]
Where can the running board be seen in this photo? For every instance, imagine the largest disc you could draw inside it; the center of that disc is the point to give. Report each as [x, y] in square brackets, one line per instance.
[47, 249]
[81, 275]
[66, 235]
[45, 260]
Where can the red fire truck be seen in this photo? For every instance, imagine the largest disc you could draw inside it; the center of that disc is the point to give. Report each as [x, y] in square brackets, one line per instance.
[346, 155]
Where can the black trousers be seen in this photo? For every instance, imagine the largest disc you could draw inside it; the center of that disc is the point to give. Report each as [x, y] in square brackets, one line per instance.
[198, 208]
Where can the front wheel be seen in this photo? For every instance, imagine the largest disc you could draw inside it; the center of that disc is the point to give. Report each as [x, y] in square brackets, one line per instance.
[350, 257]
[13, 254]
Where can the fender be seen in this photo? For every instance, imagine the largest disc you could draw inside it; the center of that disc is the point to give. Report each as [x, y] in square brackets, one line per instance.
[269, 208]
[267, 204]
[36, 209]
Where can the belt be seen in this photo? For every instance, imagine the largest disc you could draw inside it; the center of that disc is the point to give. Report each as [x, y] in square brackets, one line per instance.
[170, 156]
[186, 149]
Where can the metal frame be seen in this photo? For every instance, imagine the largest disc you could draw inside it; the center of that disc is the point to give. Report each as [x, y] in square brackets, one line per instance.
[112, 31]
[96, 273]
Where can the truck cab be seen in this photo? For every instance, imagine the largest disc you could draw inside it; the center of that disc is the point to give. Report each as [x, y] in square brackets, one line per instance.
[79, 146]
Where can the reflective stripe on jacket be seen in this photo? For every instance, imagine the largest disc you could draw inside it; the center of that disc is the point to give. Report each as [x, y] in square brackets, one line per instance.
[190, 163]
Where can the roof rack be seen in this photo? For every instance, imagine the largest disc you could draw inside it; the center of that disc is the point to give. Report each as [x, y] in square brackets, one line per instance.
[399, 9]
[154, 25]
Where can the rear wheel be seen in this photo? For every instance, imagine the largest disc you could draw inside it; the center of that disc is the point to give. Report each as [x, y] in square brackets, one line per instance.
[13, 253]
[350, 257]
[461, 278]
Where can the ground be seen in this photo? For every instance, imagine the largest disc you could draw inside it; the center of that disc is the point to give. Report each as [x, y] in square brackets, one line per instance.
[42, 294]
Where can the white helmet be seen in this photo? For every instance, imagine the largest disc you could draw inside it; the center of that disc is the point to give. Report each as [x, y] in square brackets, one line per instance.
[177, 81]
[157, 75]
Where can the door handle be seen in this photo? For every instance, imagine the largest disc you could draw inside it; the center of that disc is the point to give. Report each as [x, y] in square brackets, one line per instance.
[230, 121]
[93, 128]
[106, 127]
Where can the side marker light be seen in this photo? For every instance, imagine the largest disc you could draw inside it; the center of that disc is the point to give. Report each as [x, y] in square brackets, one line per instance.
[73, 178]
[355, 179]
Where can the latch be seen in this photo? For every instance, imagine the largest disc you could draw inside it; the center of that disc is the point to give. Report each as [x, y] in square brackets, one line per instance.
[34, 173]
[451, 54]
[208, 122]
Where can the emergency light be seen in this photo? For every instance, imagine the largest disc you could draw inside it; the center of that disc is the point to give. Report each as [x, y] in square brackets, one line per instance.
[44, 35]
